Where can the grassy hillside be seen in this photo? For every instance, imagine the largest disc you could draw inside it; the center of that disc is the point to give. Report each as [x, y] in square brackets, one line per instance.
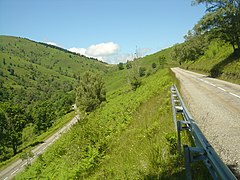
[29, 61]
[131, 136]
[218, 61]
[37, 87]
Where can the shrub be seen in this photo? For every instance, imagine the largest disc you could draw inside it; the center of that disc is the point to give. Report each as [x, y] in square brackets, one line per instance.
[90, 92]
[135, 83]
[120, 66]
[142, 71]
[154, 65]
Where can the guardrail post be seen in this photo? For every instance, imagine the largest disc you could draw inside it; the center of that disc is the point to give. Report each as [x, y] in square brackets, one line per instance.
[187, 158]
[179, 129]
[179, 136]
[203, 150]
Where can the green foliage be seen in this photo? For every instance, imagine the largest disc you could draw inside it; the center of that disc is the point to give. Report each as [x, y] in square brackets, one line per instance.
[142, 71]
[223, 18]
[172, 142]
[28, 134]
[217, 61]
[40, 79]
[154, 65]
[162, 61]
[26, 155]
[120, 66]
[135, 82]
[191, 50]
[91, 141]
[13, 120]
[129, 65]
[91, 92]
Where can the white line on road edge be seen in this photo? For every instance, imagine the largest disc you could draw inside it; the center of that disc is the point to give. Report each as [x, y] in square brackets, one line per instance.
[206, 82]
[212, 84]
[5, 178]
[14, 171]
[23, 164]
[222, 89]
[235, 95]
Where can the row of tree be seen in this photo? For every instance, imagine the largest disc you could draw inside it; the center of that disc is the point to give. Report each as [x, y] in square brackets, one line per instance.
[15, 117]
[222, 20]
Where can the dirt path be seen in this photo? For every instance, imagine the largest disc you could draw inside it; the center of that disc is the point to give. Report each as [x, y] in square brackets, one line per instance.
[215, 106]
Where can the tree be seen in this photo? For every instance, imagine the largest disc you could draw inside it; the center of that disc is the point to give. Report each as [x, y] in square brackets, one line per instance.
[43, 114]
[223, 19]
[142, 71]
[120, 66]
[129, 65]
[154, 65]
[135, 82]
[162, 61]
[13, 120]
[193, 47]
[28, 133]
[90, 92]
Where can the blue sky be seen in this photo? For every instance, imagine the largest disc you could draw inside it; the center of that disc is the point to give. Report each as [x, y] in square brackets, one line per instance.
[107, 29]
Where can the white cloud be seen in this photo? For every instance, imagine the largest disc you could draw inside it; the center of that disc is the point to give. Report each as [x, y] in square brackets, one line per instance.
[103, 49]
[99, 51]
[81, 51]
[52, 43]
[108, 52]
[119, 58]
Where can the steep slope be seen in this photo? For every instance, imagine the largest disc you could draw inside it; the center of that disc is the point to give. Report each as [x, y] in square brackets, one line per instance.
[218, 61]
[37, 87]
[130, 136]
[24, 62]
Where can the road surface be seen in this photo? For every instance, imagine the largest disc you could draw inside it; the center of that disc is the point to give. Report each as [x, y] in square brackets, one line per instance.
[19, 165]
[215, 106]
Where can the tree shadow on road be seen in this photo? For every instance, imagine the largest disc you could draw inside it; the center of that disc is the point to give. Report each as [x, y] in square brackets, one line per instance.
[233, 168]
[217, 69]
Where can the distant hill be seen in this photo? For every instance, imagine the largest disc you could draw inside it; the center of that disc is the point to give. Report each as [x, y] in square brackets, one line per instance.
[37, 87]
[25, 62]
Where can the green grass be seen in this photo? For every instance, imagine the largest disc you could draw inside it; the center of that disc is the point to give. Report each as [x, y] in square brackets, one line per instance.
[127, 137]
[58, 124]
[218, 61]
[124, 139]
[29, 58]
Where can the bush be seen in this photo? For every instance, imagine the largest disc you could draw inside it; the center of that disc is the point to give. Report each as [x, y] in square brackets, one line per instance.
[154, 65]
[142, 71]
[129, 65]
[120, 66]
[90, 92]
[135, 83]
[172, 142]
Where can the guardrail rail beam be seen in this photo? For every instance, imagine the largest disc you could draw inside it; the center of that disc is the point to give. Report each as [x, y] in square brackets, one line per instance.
[203, 150]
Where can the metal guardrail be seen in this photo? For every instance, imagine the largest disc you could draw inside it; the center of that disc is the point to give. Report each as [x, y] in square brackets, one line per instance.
[203, 151]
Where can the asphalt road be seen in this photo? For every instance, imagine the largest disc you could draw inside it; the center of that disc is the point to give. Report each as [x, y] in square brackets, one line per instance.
[215, 106]
[20, 164]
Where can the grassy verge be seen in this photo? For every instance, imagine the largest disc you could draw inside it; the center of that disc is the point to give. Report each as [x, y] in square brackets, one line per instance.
[218, 61]
[142, 150]
[131, 136]
[59, 124]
